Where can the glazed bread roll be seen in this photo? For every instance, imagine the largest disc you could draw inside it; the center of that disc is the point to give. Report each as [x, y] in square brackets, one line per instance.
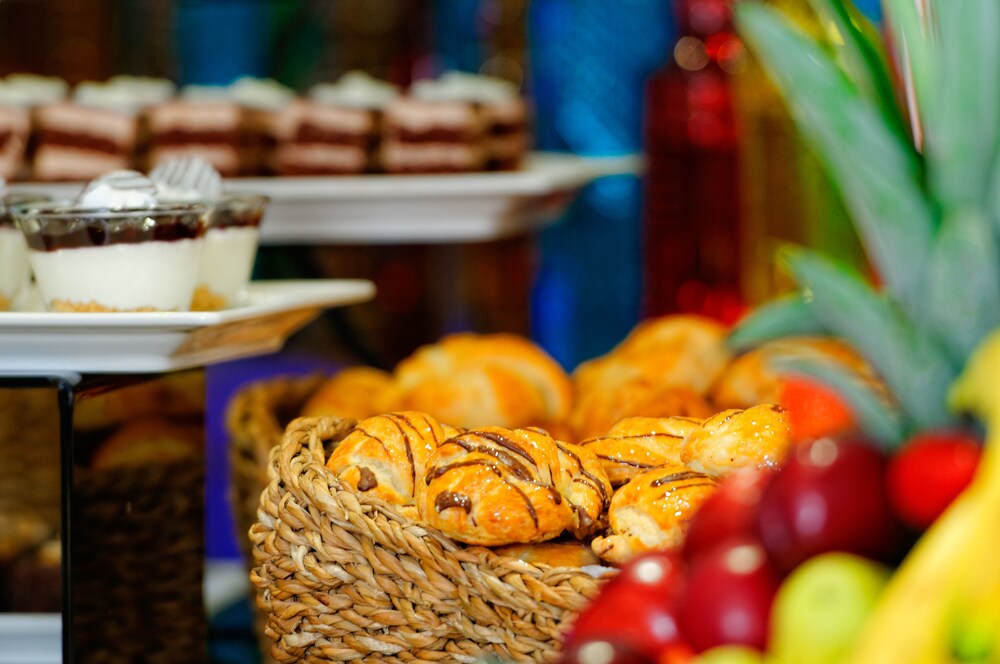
[148, 442]
[652, 511]
[637, 444]
[664, 367]
[473, 380]
[352, 393]
[753, 378]
[385, 454]
[757, 437]
[585, 486]
[494, 486]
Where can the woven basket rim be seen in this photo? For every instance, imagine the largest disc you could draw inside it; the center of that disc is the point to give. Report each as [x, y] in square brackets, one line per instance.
[516, 606]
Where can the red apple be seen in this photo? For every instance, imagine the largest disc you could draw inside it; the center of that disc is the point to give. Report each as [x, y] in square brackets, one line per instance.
[829, 496]
[729, 512]
[636, 608]
[601, 651]
[928, 473]
[728, 595]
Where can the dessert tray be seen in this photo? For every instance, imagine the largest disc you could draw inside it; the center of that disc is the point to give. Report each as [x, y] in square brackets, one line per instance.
[33, 342]
[386, 209]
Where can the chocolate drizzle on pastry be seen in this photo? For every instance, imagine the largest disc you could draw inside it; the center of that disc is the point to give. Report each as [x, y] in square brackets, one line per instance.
[447, 499]
[367, 481]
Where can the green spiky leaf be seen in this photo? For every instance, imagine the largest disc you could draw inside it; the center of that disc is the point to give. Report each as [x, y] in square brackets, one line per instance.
[963, 281]
[960, 111]
[913, 365]
[881, 421]
[878, 171]
[861, 55]
[784, 317]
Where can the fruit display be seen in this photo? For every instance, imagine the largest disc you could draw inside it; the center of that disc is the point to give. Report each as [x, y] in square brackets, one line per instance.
[874, 544]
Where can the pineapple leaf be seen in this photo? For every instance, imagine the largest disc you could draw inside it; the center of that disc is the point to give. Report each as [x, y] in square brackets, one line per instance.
[960, 113]
[913, 365]
[909, 33]
[881, 421]
[783, 317]
[878, 173]
[862, 56]
[963, 281]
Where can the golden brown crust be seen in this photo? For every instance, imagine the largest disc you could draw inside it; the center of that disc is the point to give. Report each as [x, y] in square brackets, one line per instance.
[756, 437]
[663, 367]
[495, 486]
[637, 444]
[147, 442]
[384, 455]
[553, 554]
[585, 485]
[752, 378]
[356, 392]
[476, 380]
[652, 511]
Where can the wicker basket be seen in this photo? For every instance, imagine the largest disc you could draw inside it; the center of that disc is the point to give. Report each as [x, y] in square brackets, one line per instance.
[255, 421]
[343, 576]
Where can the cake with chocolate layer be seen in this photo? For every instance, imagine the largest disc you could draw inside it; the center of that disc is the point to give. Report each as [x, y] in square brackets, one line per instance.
[267, 110]
[503, 111]
[430, 130]
[15, 131]
[335, 130]
[201, 121]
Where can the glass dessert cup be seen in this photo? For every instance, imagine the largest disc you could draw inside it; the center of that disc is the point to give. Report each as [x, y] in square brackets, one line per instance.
[87, 259]
[229, 251]
[15, 272]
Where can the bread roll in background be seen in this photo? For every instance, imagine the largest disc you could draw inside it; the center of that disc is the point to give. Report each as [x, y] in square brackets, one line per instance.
[353, 393]
[664, 367]
[147, 442]
[472, 380]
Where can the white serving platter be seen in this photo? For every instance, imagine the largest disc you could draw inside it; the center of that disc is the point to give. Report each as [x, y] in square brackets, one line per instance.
[396, 209]
[33, 342]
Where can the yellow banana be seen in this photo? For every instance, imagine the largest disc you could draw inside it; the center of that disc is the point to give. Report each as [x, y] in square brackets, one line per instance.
[952, 570]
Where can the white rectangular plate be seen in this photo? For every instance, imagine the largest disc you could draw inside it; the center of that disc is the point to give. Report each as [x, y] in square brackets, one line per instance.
[391, 209]
[151, 342]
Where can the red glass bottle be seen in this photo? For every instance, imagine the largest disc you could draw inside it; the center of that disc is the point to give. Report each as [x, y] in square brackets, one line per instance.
[691, 234]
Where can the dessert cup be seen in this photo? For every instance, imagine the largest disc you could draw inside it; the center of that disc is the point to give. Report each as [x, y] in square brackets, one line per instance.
[87, 259]
[15, 273]
[230, 247]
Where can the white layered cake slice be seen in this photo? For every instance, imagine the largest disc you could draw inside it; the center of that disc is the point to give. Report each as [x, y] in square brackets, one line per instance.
[205, 125]
[429, 131]
[336, 128]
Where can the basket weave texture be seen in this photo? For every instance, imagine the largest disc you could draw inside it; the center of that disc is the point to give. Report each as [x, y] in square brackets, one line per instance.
[343, 576]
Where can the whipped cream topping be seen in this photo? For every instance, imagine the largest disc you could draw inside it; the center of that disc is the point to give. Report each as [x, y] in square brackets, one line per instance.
[462, 86]
[119, 190]
[355, 89]
[187, 179]
[148, 89]
[261, 93]
[205, 94]
[38, 89]
[17, 97]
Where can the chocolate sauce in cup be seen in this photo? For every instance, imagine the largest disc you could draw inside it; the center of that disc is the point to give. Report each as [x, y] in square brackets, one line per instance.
[103, 259]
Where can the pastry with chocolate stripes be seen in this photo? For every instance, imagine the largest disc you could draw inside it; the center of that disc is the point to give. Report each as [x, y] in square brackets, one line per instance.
[637, 444]
[652, 511]
[384, 455]
[493, 486]
[756, 437]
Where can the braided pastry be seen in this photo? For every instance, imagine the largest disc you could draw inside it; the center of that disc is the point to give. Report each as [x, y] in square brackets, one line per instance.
[385, 454]
[585, 486]
[637, 444]
[758, 437]
[474, 380]
[652, 511]
[495, 486]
